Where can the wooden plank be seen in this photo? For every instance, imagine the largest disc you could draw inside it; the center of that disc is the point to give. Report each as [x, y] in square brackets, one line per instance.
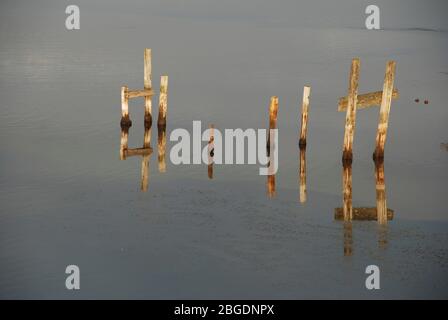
[138, 152]
[362, 213]
[147, 84]
[140, 93]
[366, 100]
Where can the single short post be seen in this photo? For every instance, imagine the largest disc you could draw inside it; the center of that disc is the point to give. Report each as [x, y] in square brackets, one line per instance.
[210, 151]
[273, 111]
[124, 143]
[305, 106]
[161, 147]
[147, 83]
[384, 110]
[125, 120]
[163, 101]
[350, 118]
[302, 176]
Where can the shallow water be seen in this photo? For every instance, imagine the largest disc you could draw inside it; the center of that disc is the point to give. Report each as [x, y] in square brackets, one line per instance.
[67, 198]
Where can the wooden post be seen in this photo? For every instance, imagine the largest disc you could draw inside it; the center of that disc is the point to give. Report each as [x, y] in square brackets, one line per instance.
[350, 118]
[210, 151]
[124, 143]
[161, 147]
[384, 110]
[147, 83]
[145, 160]
[125, 120]
[302, 176]
[273, 111]
[305, 106]
[163, 101]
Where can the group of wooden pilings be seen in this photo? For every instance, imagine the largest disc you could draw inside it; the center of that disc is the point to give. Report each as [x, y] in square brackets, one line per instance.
[147, 94]
[353, 101]
[145, 151]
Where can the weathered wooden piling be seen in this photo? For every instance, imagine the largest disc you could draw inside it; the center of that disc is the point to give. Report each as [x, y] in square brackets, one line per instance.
[304, 123]
[350, 118]
[125, 120]
[163, 101]
[210, 151]
[161, 147]
[302, 176]
[273, 111]
[386, 100]
[147, 83]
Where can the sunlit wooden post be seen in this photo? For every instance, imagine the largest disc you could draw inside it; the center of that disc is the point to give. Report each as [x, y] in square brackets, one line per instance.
[350, 118]
[385, 110]
[124, 143]
[163, 101]
[302, 176]
[304, 123]
[381, 204]
[147, 83]
[125, 119]
[210, 151]
[161, 147]
[145, 160]
[273, 111]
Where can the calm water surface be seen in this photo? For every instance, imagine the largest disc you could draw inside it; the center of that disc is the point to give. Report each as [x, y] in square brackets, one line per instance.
[67, 198]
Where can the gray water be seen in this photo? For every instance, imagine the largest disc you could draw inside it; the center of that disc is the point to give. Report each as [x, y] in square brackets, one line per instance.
[67, 198]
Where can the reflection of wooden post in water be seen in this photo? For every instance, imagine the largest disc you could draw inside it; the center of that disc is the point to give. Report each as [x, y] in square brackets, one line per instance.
[125, 120]
[147, 84]
[348, 238]
[271, 185]
[304, 123]
[350, 118]
[211, 151]
[347, 208]
[163, 101]
[273, 111]
[161, 147]
[302, 175]
[381, 204]
[384, 110]
[124, 143]
[145, 160]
